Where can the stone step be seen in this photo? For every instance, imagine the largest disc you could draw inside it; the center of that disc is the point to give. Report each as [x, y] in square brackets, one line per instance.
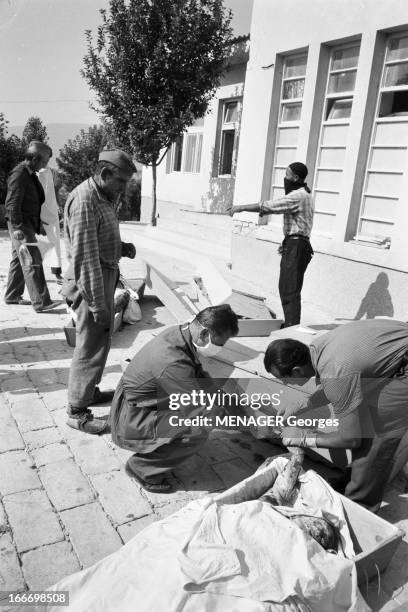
[195, 230]
[188, 242]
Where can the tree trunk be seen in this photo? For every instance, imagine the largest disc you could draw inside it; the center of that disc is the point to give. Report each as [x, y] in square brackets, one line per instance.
[154, 201]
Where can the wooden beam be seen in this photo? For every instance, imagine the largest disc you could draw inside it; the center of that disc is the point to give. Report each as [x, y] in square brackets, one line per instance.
[258, 327]
[177, 302]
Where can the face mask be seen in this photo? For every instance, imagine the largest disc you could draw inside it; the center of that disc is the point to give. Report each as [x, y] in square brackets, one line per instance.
[209, 349]
[290, 185]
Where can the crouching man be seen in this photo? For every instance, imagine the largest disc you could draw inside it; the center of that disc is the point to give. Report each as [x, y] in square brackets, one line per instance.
[168, 364]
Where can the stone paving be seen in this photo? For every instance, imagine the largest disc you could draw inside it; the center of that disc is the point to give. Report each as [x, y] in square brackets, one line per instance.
[65, 500]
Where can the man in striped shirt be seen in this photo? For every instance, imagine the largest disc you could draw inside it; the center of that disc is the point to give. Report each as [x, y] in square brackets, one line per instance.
[93, 247]
[298, 210]
[362, 371]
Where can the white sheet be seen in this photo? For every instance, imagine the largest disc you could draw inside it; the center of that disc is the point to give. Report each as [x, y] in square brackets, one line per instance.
[223, 554]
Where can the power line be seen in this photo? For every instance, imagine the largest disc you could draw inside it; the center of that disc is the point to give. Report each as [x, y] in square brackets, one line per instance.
[42, 101]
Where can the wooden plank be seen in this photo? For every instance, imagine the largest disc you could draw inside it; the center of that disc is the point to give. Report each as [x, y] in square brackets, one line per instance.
[180, 306]
[258, 327]
[217, 288]
[248, 307]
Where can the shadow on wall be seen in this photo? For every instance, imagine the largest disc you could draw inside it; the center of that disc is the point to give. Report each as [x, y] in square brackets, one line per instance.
[377, 301]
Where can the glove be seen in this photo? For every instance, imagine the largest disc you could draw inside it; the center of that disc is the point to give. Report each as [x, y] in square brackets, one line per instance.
[18, 235]
[294, 436]
[102, 318]
[128, 250]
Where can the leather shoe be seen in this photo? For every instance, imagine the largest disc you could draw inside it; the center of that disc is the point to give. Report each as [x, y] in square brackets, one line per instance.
[49, 306]
[161, 486]
[87, 423]
[101, 397]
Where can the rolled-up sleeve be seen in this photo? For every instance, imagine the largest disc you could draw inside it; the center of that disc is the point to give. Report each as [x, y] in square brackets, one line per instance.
[85, 254]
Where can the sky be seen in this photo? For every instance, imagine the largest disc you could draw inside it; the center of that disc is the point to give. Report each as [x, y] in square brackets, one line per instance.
[42, 44]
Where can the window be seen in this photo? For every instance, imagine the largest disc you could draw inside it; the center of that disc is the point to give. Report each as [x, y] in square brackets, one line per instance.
[174, 156]
[338, 102]
[184, 154]
[228, 136]
[193, 143]
[290, 109]
[387, 156]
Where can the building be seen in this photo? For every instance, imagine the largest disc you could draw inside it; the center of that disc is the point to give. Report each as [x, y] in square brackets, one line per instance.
[327, 85]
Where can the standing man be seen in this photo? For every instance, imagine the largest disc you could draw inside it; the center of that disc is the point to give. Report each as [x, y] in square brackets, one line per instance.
[94, 248]
[362, 370]
[25, 196]
[166, 366]
[298, 209]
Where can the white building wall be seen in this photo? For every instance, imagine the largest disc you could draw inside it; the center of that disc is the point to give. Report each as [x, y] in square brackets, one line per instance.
[284, 27]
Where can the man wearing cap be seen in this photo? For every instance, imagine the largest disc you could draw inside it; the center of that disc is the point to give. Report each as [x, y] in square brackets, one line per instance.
[93, 248]
[298, 209]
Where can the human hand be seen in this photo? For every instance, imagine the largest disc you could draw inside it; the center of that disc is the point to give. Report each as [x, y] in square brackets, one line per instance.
[129, 250]
[18, 235]
[102, 318]
[233, 210]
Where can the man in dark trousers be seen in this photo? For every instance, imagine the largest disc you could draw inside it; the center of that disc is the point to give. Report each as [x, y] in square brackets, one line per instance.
[362, 371]
[93, 247]
[166, 367]
[25, 196]
[298, 210]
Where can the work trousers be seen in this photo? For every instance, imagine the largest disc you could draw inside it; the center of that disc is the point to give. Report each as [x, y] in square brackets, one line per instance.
[375, 460]
[145, 430]
[22, 273]
[296, 255]
[91, 347]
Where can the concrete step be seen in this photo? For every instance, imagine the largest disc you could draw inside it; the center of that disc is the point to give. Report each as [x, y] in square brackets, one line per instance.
[171, 211]
[196, 230]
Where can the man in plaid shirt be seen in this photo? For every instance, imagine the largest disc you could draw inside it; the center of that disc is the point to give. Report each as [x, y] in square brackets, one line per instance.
[93, 248]
[298, 209]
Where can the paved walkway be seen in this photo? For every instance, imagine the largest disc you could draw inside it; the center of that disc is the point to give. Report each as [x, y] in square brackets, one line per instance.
[65, 500]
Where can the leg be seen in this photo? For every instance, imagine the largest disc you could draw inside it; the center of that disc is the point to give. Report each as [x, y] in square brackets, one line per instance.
[154, 465]
[15, 282]
[296, 256]
[91, 349]
[33, 272]
[370, 470]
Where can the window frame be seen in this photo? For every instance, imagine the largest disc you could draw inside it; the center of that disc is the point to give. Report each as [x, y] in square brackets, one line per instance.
[383, 242]
[228, 126]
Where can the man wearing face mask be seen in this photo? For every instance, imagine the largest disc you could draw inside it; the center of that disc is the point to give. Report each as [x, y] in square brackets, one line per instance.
[167, 365]
[298, 209]
[93, 247]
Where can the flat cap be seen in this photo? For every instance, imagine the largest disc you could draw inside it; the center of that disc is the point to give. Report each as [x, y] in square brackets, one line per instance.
[118, 158]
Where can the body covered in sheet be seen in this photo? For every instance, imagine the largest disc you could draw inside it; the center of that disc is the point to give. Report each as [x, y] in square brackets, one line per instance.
[231, 552]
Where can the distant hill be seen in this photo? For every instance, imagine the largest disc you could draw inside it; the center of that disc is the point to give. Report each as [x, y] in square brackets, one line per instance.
[58, 133]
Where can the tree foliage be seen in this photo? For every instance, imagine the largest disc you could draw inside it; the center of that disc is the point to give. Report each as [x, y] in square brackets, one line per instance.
[154, 66]
[34, 130]
[78, 157]
[11, 153]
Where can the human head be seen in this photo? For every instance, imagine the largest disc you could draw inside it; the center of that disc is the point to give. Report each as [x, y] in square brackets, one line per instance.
[113, 171]
[320, 529]
[296, 172]
[37, 155]
[215, 323]
[288, 358]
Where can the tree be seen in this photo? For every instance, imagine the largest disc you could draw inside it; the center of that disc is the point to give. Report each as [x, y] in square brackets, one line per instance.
[154, 67]
[11, 152]
[34, 130]
[78, 158]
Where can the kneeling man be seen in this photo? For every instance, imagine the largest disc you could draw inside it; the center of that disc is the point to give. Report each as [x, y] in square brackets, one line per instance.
[168, 364]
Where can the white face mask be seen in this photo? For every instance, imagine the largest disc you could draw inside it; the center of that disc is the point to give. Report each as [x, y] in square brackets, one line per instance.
[209, 349]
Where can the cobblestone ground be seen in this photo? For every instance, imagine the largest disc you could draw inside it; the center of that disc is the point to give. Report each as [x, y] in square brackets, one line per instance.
[65, 500]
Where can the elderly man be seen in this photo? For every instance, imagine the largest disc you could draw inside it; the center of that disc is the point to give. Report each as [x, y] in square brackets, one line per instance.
[298, 209]
[362, 369]
[168, 364]
[93, 248]
[25, 196]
